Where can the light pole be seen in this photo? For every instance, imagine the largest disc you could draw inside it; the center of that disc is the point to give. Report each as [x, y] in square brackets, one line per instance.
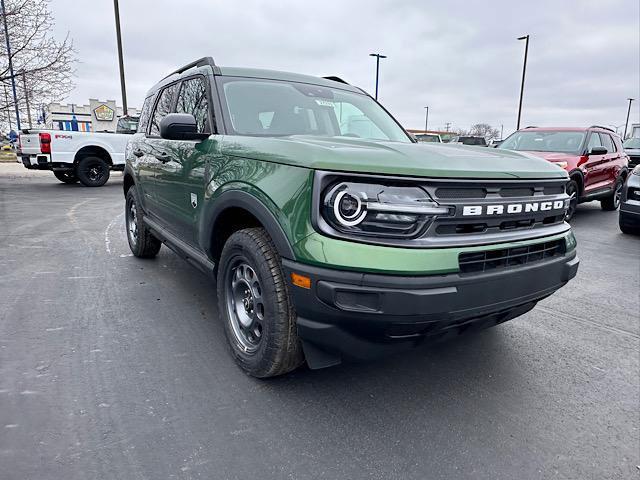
[378, 57]
[13, 79]
[524, 71]
[116, 9]
[627, 122]
[426, 120]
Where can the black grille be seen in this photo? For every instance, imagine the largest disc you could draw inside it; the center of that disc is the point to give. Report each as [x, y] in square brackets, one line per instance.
[484, 261]
[557, 190]
[634, 161]
[516, 192]
[461, 193]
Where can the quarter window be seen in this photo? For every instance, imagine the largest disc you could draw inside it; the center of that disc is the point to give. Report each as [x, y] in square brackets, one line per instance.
[163, 107]
[145, 114]
[193, 99]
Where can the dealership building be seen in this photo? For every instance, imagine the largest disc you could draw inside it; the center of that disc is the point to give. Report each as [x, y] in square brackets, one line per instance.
[98, 116]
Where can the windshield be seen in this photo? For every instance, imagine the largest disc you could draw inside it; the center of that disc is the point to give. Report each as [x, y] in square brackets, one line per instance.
[261, 107]
[631, 143]
[544, 141]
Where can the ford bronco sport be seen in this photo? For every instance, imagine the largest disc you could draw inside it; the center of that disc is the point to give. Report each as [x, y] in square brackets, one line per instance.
[332, 234]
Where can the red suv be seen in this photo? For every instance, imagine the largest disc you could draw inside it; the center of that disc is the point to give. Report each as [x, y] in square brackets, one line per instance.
[593, 157]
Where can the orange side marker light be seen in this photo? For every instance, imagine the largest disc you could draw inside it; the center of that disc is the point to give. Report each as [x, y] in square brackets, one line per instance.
[301, 281]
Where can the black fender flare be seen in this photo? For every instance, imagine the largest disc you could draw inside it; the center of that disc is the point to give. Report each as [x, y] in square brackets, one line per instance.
[248, 202]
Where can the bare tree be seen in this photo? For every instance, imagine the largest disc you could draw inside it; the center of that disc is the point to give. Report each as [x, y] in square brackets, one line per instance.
[43, 65]
[484, 130]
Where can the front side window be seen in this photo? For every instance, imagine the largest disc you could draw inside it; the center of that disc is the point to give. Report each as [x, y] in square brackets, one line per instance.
[193, 99]
[260, 107]
[163, 107]
[607, 142]
[544, 141]
[594, 141]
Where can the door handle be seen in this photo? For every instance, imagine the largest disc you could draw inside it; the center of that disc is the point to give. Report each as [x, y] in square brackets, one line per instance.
[163, 157]
[138, 153]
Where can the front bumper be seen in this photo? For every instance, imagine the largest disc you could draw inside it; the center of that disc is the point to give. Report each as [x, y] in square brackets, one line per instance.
[353, 315]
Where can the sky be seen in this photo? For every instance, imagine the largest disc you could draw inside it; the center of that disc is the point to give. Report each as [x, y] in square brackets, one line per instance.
[460, 58]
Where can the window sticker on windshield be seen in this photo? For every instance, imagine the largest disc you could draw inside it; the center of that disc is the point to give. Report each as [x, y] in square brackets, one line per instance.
[324, 103]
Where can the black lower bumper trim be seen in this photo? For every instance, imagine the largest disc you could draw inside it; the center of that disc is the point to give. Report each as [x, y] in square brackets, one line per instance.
[362, 316]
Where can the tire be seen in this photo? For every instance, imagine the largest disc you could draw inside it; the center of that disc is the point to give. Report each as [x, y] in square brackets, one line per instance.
[626, 228]
[66, 176]
[254, 303]
[612, 202]
[573, 191]
[141, 241]
[92, 171]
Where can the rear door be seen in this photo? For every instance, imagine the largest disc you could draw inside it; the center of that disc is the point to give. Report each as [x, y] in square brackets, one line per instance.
[613, 161]
[180, 178]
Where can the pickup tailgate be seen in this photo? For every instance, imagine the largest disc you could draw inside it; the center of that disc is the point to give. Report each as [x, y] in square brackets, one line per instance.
[30, 143]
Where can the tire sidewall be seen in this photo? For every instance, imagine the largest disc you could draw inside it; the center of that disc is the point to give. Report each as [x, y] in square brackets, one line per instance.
[87, 163]
[132, 197]
[575, 187]
[241, 246]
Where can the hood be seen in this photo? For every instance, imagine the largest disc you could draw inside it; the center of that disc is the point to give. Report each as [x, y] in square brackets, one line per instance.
[391, 158]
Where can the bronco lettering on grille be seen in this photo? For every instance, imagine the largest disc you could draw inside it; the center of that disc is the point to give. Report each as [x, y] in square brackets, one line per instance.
[512, 208]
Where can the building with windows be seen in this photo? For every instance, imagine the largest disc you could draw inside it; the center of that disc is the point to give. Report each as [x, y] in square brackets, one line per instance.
[98, 116]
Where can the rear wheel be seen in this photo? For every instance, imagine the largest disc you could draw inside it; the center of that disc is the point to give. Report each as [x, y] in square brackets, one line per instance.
[254, 302]
[572, 191]
[141, 241]
[612, 202]
[66, 176]
[92, 171]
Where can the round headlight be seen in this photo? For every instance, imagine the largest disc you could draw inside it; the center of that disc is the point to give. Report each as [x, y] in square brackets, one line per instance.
[347, 209]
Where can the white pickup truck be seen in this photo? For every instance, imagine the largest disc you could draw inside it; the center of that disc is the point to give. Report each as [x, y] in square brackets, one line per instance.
[73, 156]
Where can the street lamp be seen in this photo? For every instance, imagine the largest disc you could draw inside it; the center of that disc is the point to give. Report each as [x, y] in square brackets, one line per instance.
[426, 120]
[627, 122]
[524, 70]
[13, 78]
[116, 9]
[378, 57]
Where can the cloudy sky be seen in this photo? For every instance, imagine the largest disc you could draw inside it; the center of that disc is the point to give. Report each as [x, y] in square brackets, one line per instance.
[461, 58]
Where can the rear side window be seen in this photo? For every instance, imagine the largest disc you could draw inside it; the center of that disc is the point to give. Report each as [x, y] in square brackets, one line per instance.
[193, 99]
[607, 142]
[145, 114]
[163, 107]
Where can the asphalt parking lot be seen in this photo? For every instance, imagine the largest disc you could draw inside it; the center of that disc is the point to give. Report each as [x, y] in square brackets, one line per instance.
[117, 368]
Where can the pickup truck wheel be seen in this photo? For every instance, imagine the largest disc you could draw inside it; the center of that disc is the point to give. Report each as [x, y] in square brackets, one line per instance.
[141, 241]
[92, 171]
[66, 176]
[612, 202]
[254, 303]
[572, 191]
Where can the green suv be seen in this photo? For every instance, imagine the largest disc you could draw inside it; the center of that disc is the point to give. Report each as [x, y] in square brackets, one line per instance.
[331, 233]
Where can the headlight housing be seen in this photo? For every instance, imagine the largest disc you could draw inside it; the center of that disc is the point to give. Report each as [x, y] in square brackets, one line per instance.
[388, 210]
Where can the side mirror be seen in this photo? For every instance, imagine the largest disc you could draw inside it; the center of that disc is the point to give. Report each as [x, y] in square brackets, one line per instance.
[598, 151]
[180, 126]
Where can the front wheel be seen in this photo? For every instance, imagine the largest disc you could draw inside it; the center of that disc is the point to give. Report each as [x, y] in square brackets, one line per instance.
[572, 191]
[254, 303]
[92, 171]
[612, 202]
[66, 176]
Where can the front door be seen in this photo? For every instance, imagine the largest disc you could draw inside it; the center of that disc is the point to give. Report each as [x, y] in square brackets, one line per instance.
[179, 179]
[595, 167]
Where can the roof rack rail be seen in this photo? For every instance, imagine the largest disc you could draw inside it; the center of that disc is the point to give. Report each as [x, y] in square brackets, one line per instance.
[201, 62]
[336, 79]
[605, 128]
[531, 126]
